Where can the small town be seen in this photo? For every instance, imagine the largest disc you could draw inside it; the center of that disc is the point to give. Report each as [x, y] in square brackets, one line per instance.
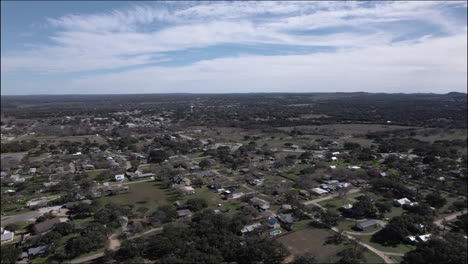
[89, 188]
[234, 132]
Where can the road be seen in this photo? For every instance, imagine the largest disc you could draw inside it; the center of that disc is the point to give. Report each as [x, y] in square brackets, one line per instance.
[439, 222]
[382, 254]
[316, 201]
[29, 216]
[20, 217]
[114, 244]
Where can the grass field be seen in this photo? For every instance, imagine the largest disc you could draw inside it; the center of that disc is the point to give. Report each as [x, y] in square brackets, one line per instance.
[346, 129]
[400, 248]
[42, 139]
[149, 194]
[312, 240]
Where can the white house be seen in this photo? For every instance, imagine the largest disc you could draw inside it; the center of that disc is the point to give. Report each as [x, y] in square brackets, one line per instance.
[7, 236]
[318, 191]
[119, 177]
[401, 202]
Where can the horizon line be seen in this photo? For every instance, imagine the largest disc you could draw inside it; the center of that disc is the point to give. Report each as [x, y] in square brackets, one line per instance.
[188, 93]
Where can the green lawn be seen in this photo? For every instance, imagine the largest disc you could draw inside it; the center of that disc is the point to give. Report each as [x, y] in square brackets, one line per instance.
[300, 224]
[396, 211]
[147, 194]
[400, 248]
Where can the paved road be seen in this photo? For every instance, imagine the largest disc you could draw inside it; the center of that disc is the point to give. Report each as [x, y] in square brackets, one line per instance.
[448, 218]
[20, 217]
[316, 201]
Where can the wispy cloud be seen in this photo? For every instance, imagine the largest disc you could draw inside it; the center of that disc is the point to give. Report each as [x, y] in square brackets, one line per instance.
[365, 36]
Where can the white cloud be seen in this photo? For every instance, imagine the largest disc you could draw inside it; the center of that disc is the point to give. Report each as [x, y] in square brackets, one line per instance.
[144, 33]
[435, 65]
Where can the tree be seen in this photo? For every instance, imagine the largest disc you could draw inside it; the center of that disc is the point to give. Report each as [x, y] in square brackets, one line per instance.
[157, 156]
[206, 163]
[383, 207]
[329, 218]
[436, 200]
[451, 248]
[351, 255]
[401, 226]
[64, 228]
[364, 208]
[196, 204]
[165, 213]
[9, 254]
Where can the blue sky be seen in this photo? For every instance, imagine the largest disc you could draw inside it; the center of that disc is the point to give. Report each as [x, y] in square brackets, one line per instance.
[75, 47]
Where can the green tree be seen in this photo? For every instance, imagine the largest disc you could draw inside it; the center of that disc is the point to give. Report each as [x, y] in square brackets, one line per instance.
[196, 204]
[451, 248]
[436, 200]
[10, 253]
[157, 156]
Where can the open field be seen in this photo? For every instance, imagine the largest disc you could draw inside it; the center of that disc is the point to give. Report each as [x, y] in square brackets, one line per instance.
[432, 135]
[148, 194]
[51, 139]
[346, 129]
[311, 240]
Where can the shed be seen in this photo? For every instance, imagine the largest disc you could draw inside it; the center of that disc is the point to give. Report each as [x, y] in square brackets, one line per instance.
[367, 224]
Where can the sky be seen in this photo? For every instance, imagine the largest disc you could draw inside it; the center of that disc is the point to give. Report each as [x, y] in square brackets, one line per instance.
[119, 47]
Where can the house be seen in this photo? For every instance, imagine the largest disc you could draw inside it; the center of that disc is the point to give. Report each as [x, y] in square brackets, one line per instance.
[318, 191]
[346, 207]
[50, 184]
[119, 177]
[7, 236]
[143, 175]
[261, 204]
[183, 190]
[423, 238]
[286, 207]
[45, 226]
[272, 222]
[266, 214]
[402, 202]
[334, 158]
[249, 228]
[367, 224]
[411, 240]
[116, 189]
[286, 219]
[353, 168]
[181, 180]
[37, 251]
[256, 182]
[32, 170]
[244, 171]
[184, 213]
[17, 178]
[343, 185]
[36, 203]
[87, 167]
[232, 193]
